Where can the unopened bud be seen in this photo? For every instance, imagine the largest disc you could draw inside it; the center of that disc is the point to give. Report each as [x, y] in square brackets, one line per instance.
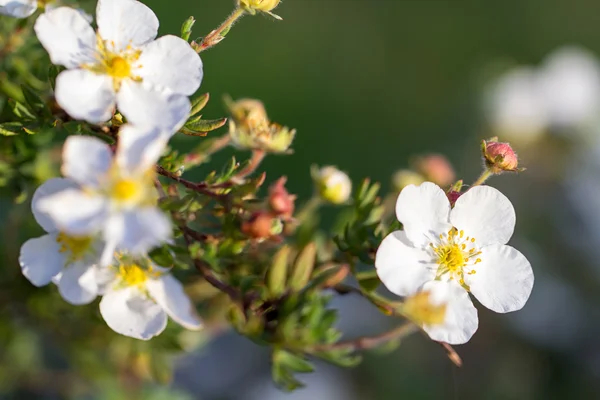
[333, 185]
[436, 168]
[259, 5]
[499, 157]
[280, 201]
[422, 311]
[251, 129]
[405, 177]
[262, 225]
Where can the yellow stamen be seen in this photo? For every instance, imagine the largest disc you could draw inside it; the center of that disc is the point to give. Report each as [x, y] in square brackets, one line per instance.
[75, 246]
[420, 309]
[125, 190]
[119, 67]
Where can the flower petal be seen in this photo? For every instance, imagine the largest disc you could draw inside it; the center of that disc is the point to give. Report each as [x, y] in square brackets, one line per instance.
[138, 230]
[75, 212]
[170, 62]
[502, 280]
[145, 106]
[49, 188]
[129, 312]
[423, 211]
[18, 8]
[485, 214]
[41, 259]
[139, 148]
[125, 22]
[460, 322]
[67, 37]
[86, 160]
[169, 294]
[86, 95]
[77, 284]
[402, 268]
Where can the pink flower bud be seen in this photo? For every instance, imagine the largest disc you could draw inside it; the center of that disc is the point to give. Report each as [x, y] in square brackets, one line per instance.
[280, 201]
[437, 169]
[500, 157]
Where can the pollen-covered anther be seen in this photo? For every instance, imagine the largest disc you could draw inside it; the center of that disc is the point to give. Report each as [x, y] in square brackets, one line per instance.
[454, 254]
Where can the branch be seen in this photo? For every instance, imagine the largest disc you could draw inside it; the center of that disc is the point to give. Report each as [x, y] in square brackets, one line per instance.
[369, 342]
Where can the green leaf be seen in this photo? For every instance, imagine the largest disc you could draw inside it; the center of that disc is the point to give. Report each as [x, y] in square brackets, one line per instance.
[186, 28]
[369, 284]
[11, 128]
[303, 267]
[199, 103]
[202, 126]
[53, 72]
[278, 271]
[162, 256]
[35, 102]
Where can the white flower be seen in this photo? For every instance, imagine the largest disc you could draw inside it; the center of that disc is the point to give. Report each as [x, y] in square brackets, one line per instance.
[461, 246]
[69, 261]
[334, 185]
[444, 311]
[569, 81]
[116, 195]
[120, 64]
[515, 107]
[18, 8]
[140, 297]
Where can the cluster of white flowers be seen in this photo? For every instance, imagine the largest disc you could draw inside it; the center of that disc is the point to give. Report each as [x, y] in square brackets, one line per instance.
[563, 94]
[102, 218]
[448, 252]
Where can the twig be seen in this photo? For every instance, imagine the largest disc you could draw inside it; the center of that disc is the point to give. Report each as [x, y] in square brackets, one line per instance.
[343, 289]
[452, 354]
[368, 342]
[201, 187]
[257, 157]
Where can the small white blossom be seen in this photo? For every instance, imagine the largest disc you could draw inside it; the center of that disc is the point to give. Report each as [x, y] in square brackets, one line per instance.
[464, 246]
[120, 65]
[116, 196]
[141, 295]
[70, 261]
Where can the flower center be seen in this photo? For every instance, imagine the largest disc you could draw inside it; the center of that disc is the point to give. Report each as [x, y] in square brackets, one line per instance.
[126, 190]
[420, 309]
[75, 246]
[118, 67]
[132, 274]
[455, 254]
[119, 64]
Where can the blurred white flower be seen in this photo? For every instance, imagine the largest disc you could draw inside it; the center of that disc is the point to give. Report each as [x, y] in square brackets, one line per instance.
[569, 82]
[119, 65]
[563, 94]
[463, 247]
[116, 196]
[141, 295]
[69, 261]
[21, 8]
[515, 108]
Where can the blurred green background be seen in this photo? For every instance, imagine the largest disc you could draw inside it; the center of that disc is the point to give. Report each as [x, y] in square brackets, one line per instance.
[368, 84]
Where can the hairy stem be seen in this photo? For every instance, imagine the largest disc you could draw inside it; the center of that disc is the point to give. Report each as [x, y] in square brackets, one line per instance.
[482, 178]
[215, 36]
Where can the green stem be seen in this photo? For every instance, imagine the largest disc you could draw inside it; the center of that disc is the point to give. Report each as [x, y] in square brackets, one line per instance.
[215, 36]
[482, 178]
